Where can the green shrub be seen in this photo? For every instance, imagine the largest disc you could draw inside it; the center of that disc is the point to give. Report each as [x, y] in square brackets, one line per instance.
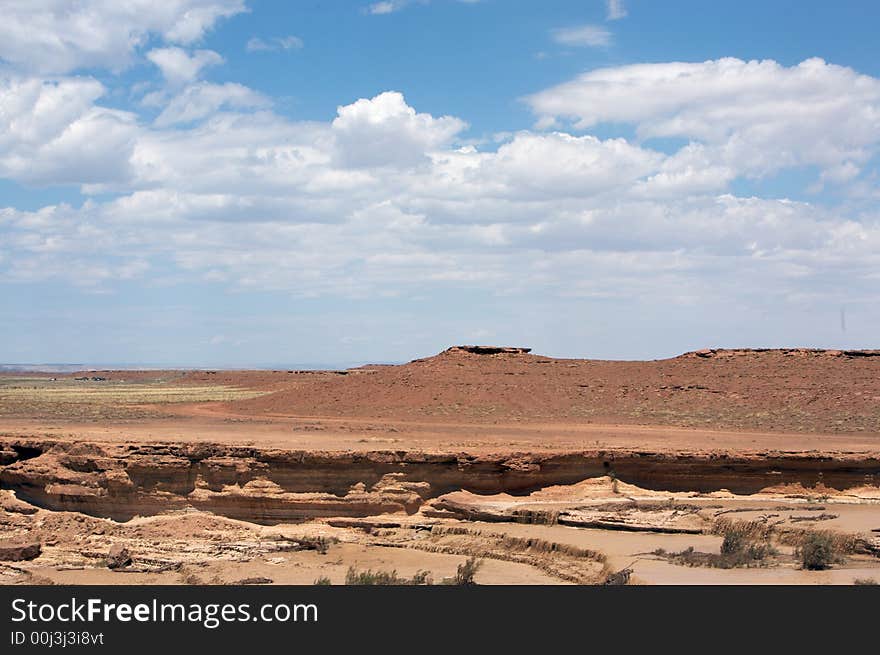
[817, 551]
[734, 541]
[736, 554]
[760, 552]
[421, 578]
[466, 571]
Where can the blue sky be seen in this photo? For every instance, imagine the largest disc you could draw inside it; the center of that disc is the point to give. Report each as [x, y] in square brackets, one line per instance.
[256, 183]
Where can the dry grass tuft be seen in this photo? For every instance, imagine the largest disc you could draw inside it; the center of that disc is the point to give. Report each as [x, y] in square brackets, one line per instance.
[92, 401]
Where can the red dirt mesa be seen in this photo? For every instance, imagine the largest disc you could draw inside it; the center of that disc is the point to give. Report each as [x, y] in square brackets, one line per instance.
[774, 390]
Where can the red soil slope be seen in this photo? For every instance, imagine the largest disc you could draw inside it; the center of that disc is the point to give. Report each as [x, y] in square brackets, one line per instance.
[797, 390]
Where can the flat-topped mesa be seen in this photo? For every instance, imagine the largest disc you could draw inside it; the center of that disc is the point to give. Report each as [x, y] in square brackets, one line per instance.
[466, 351]
[489, 350]
[707, 353]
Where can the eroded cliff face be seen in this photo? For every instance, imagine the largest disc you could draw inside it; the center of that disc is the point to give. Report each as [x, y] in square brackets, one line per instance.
[272, 486]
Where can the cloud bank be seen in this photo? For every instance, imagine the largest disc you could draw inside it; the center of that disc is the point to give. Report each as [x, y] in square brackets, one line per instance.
[390, 200]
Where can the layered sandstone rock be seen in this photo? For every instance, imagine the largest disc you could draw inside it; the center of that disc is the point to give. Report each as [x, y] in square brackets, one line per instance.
[123, 481]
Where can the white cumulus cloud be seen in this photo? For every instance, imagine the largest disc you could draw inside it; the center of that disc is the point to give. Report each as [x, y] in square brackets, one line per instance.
[59, 36]
[756, 116]
[200, 100]
[386, 200]
[386, 131]
[180, 67]
[52, 132]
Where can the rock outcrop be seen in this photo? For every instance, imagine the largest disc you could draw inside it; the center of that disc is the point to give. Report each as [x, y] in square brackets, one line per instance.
[16, 550]
[270, 486]
[489, 350]
[118, 557]
[727, 353]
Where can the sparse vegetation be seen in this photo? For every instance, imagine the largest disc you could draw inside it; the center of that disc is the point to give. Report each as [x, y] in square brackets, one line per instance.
[867, 582]
[817, 551]
[746, 544]
[619, 578]
[323, 581]
[466, 572]
[753, 556]
[741, 532]
[110, 399]
[841, 542]
[464, 576]
[735, 540]
[384, 578]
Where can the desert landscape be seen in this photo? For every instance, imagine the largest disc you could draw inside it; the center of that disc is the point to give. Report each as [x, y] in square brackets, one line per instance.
[481, 464]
